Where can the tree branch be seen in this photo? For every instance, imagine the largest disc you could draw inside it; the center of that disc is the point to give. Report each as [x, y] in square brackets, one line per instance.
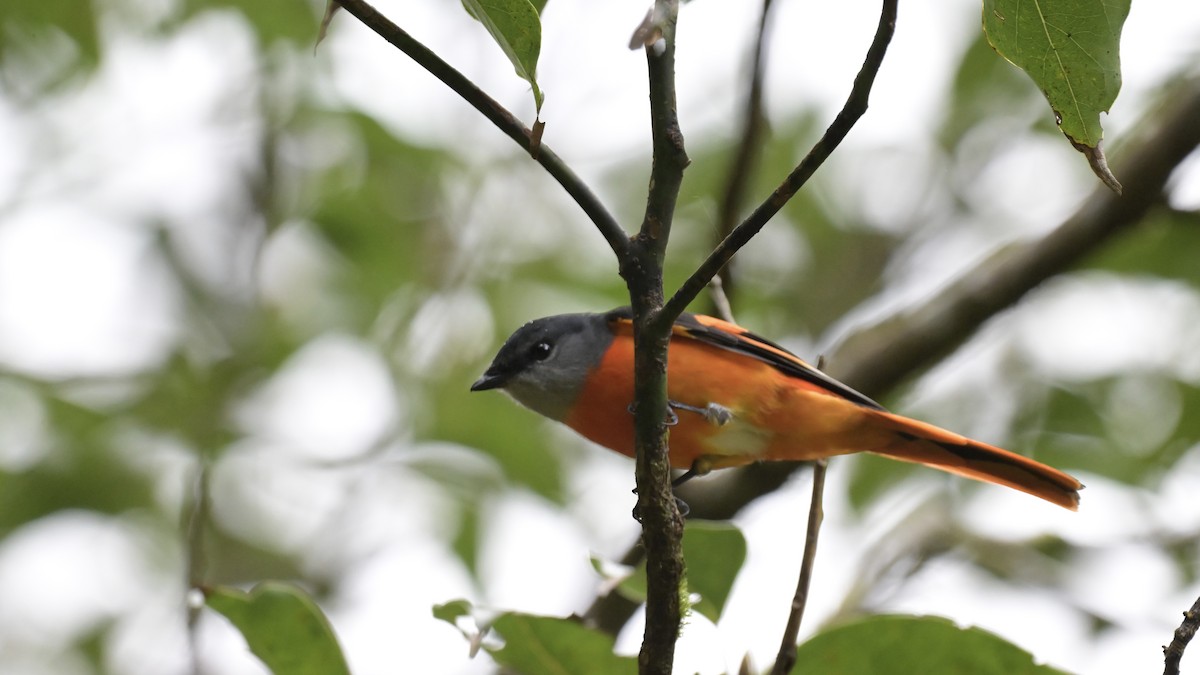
[816, 513]
[748, 146]
[1173, 653]
[853, 109]
[662, 525]
[612, 232]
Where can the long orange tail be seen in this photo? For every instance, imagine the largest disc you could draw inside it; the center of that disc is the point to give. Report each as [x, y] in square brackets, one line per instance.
[932, 446]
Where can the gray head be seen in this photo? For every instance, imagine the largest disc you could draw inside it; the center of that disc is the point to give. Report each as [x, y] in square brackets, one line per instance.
[545, 363]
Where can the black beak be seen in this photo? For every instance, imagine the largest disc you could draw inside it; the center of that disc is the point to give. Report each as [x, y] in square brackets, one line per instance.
[488, 380]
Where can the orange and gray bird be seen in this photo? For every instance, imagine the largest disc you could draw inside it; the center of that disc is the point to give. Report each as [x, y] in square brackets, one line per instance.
[735, 398]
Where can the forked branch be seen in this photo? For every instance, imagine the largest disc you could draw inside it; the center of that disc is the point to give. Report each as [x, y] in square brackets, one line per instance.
[662, 525]
[855, 106]
[498, 115]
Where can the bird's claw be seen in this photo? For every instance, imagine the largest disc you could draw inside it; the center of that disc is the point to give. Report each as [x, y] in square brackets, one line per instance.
[715, 413]
[672, 418]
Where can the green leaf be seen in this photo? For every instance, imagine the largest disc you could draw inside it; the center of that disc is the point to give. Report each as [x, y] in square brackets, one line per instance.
[516, 27]
[283, 627]
[913, 644]
[272, 20]
[544, 644]
[538, 644]
[1164, 244]
[466, 540]
[872, 476]
[382, 179]
[36, 22]
[714, 553]
[84, 470]
[634, 585]
[1071, 49]
[452, 611]
[512, 436]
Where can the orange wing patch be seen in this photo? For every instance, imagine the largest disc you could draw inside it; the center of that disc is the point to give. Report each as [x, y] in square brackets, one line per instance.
[713, 361]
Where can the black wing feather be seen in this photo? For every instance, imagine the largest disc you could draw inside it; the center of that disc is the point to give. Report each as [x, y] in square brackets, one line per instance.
[761, 348]
[757, 347]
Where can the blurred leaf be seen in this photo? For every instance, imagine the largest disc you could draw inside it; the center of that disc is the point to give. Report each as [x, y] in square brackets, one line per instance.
[381, 207]
[452, 611]
[714, 553]
[872, 475]
[537, 644]
[985, 89]
[516, 27]
[272, 20]
[466, 540]
[1187, 433]
[839, 263]
[1068, 432]
[83, 471]
[1188, 430]
[75, 19]
[1164, 244]
[1071, 50]
[514, 436]
[633, 586]
[232, 560]
[882, 645]
[544, 644]
[191, 401]
[283, 627]
[1073, 432]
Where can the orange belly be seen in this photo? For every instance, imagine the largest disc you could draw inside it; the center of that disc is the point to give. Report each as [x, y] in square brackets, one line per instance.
[774, 416]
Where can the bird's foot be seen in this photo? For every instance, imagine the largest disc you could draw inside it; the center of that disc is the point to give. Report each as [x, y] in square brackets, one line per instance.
[715, 413]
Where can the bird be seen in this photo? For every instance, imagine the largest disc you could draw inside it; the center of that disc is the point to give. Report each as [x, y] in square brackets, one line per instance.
[733, 398]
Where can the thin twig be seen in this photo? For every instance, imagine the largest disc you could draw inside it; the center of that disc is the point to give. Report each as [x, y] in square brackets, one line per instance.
[816, 513]
[197, 557]
[498, 115]
[856, 105]
[1173, 652]
[748, 146]
[786, 657]
[720, 301]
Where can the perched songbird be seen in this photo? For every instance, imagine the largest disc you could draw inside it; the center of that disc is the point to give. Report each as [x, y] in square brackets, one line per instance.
[735, 398]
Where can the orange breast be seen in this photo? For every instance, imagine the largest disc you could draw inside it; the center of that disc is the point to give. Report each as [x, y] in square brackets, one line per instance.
[774, 416]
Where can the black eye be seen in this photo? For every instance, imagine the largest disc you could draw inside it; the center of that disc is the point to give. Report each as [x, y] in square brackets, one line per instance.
[540, 351]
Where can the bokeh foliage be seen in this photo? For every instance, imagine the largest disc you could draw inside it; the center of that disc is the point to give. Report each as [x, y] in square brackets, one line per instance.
[411, 264]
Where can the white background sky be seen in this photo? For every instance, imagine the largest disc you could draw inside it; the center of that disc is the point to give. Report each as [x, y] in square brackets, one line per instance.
[147, 139]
